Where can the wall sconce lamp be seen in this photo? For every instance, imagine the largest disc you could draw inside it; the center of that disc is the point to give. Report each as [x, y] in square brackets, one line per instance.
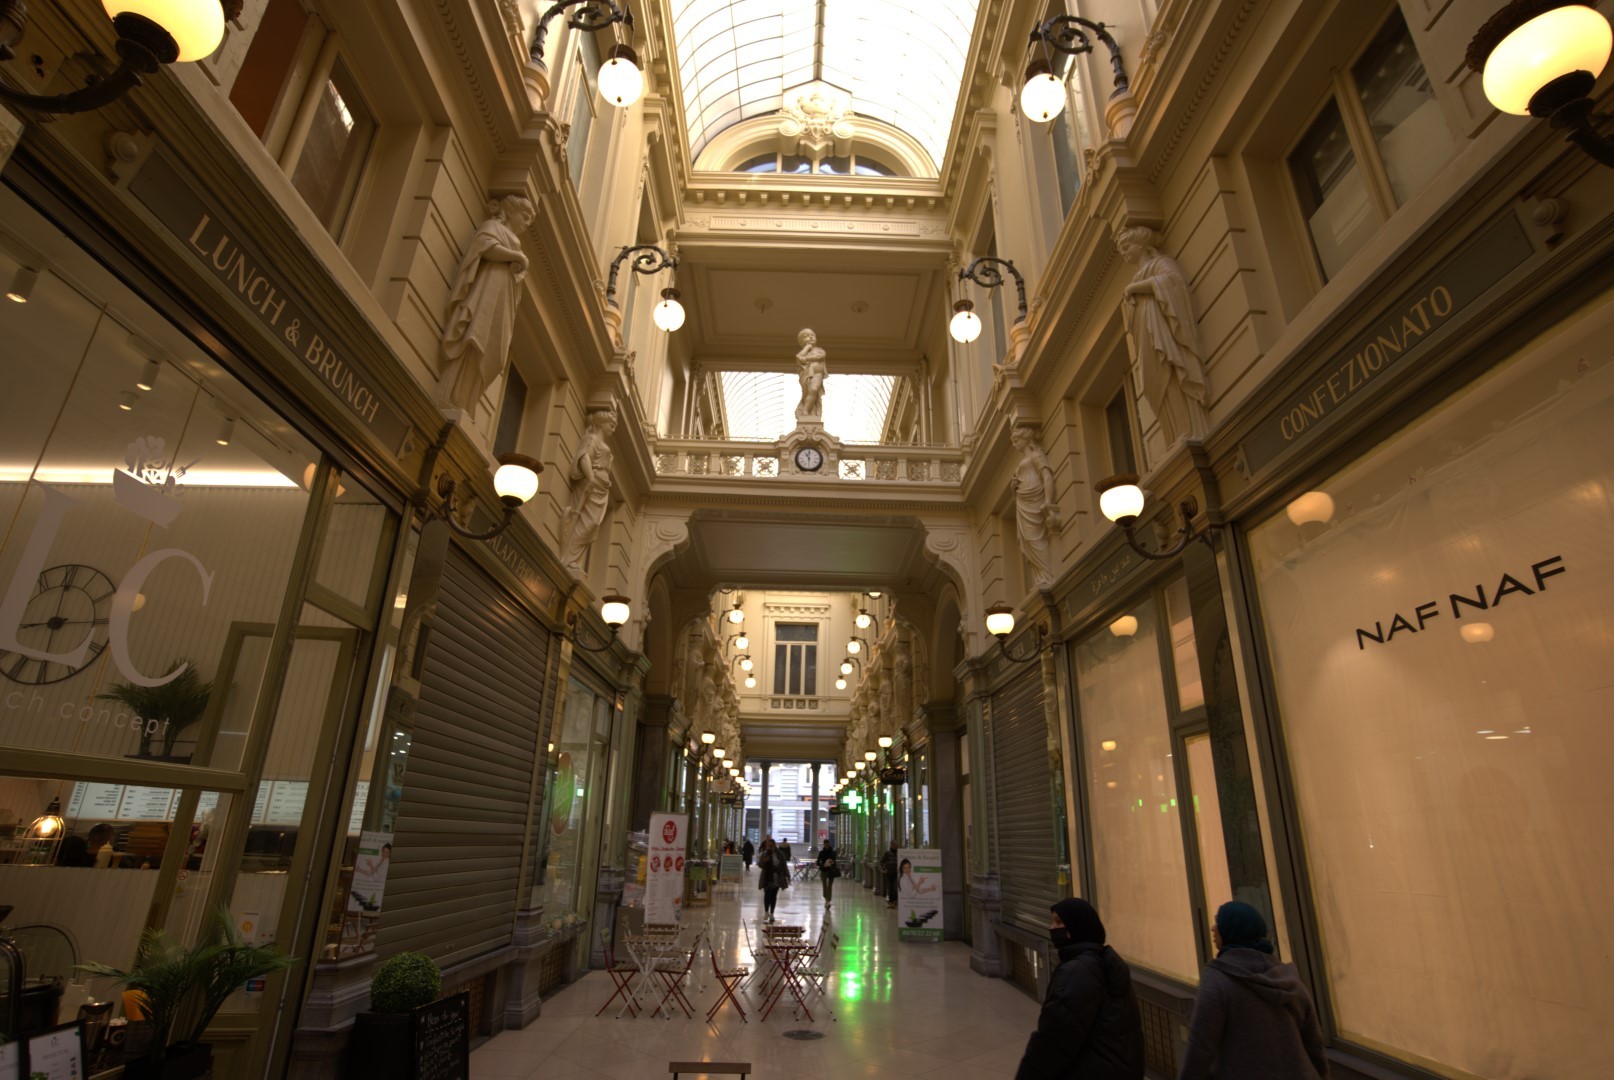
[24, 280]
[736, 614]
[750, 682]
[885, 742]
[986, 272]
[1121, 500]
[1541, 58]
[864, 620]
[621, 81]
[1043, 95]
[515, 481]
[745, 662]
[740, 641]
[1000, 624]
[614, 610]
[650, 259]
[855, 645]
[151, 33]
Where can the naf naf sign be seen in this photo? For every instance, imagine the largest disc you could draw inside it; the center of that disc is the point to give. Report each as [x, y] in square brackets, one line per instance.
[1459, 604]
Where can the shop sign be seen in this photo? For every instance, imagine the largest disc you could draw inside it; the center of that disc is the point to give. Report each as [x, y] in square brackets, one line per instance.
[511, 557]
[211, 239]
[1400, 337]
[1101, 581]
[1462, 603]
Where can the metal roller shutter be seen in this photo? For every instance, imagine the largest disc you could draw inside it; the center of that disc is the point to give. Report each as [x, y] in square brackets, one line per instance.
[453, 891]
[1024, 804]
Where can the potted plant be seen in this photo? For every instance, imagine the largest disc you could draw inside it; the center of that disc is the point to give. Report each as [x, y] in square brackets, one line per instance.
[176, 704]
[181, 989]
[382, 1040]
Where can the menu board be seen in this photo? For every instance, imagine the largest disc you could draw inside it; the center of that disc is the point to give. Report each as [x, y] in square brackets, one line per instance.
[260, 805]
[443, 1039]
[146, 804]
[57, 1054]
[361, 798]
[98, 801]
[11, 1061]
[286, 802]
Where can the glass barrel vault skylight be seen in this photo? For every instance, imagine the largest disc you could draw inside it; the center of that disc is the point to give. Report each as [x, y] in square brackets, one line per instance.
[901, 60]
[761, 405]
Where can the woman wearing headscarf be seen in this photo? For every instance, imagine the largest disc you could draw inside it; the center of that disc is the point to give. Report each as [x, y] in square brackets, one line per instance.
[1253, 1019]
[1089, 1028]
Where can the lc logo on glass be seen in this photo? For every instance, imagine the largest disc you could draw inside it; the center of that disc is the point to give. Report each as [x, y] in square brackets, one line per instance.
[20, 590]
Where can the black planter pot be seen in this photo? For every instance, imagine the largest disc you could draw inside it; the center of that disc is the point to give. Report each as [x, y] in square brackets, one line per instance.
[381, 1044]
[183, 1061]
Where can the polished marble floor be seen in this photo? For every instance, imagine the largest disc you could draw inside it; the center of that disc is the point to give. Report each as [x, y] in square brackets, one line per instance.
[899, 1010]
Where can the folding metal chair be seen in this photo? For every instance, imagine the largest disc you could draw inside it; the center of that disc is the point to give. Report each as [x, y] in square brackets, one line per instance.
[621, 974]
[730, 979]
[673, 973]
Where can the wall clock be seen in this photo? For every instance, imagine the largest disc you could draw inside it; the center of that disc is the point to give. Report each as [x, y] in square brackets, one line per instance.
[809, 459]
[69, 601]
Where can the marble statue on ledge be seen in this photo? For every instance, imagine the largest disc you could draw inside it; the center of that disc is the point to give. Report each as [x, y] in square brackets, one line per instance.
[590, 478]
[1036, 516]
[1164, 335]
[812, 371]
[482, 306]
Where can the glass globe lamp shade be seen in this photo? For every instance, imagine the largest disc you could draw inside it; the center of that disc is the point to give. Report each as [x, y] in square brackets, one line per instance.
[860, 765]
[750, 682]
[874, 596]
[966, 325]
[197, 26]
[869, 755]
[615, 611]
[1125, 626]
[736, 615]
[49, 825]
[1567, 39]
[742, 642]
[863, 620]
[669, 313]
[885, 742]
[1312, 508]
[1120, 498]
[1043, 96]
[746, 663]
[621, 81]
[708, 738]
[1000, 620]
[719, 753]
[840, 684]
[854, 646]
[846, 667]
[516, 479]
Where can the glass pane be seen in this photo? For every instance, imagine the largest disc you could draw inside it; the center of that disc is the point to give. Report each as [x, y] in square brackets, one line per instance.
[1333, 192]
[810, 677]
[1217, 883]
[570, 781]
[335, 148]
[514, 406]
[795, 669]
[1118, 427]
[780, 660]
[1440, 654]
[1413, 139]
[1140, 869]
[583, 108]
[141, 527]
[358, 530]
[796, 632]
[1184, 654]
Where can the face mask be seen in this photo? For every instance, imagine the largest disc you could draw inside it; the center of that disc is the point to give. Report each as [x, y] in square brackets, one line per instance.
[1060, 936]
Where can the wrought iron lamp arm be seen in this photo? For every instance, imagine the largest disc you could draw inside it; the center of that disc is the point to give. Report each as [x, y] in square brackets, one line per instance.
[647, 259]
[1185, 534]
[143, 47]
[987, 272]
[1068, 34]
[572, 624]
[590, 15]
[447, 488]
[1036, 652]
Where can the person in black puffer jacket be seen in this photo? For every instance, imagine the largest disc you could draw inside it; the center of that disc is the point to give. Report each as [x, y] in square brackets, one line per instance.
[1089, 1028]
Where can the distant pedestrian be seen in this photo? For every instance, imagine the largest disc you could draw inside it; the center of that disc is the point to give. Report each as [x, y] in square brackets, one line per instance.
[888, 869]
[828, 870]
[775, 875]
[748, 852]
[1253, 1019]
[1089, 1028]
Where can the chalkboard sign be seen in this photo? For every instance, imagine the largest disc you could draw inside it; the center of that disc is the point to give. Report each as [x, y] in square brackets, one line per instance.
[443, 1039]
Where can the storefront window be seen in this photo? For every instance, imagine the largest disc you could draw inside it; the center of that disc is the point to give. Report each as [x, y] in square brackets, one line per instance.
[576, 784]
[1438, 622]
[1141, 877]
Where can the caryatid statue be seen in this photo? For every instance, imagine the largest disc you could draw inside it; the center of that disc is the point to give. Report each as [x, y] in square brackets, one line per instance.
[1160, 324]
[590, 478]
[482, 305]
[812, 371]
[1036, 516]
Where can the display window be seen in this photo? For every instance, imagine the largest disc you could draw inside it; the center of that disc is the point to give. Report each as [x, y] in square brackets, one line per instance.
[576, 778]
[1438, 624]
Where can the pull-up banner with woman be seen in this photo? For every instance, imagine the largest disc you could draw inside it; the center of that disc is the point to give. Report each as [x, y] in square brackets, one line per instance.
[919, 894]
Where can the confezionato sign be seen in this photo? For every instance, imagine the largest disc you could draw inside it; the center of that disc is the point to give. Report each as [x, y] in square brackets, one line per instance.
[219, 247]
[1401, 335]
[1462, 603]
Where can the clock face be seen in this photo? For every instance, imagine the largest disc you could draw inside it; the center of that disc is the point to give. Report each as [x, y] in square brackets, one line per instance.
[70, 602]
[809, 459]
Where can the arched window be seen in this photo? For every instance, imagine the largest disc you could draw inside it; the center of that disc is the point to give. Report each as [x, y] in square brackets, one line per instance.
[762, 163]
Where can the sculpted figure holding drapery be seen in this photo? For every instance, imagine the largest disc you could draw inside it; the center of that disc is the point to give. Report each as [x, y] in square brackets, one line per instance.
[590, 477]
[1164, 334]
[482, 306]
[1036, 517]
